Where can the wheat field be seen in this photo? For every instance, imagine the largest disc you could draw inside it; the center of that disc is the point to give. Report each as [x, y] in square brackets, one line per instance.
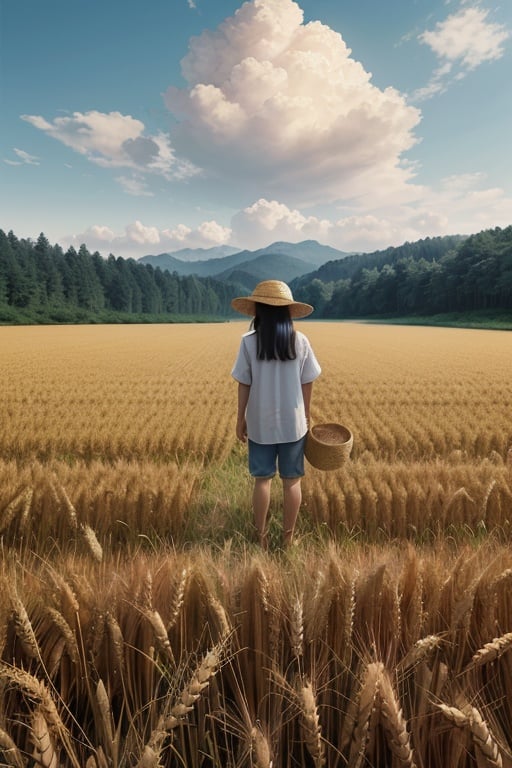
[141, 626]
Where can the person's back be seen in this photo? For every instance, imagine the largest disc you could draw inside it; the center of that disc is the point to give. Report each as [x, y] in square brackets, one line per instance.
[275, 370]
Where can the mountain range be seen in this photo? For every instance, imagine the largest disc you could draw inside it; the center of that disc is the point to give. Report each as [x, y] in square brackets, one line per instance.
[280, 260]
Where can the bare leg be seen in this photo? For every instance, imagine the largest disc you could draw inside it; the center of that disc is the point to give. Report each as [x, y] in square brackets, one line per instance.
[292, 497]
[260, 505]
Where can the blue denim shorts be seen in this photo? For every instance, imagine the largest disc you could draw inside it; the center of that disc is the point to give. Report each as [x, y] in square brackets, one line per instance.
[289, 457]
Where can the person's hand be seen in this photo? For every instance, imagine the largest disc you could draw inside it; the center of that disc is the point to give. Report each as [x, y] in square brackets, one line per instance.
[241, 430]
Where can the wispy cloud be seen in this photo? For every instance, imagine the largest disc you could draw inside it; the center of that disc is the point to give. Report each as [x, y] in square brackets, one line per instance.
[462, 42]
[134, 186]
[191, 3]
[23, 158]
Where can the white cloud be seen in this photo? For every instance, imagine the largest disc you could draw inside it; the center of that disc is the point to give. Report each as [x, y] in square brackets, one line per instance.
[139, 239]
[23, 158]
[460, 204]
[268, 220]
[281, 106]
[114, 140]
[467, 37]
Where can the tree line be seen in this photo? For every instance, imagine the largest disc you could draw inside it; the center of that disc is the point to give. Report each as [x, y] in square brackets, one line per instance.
[39, 282]
[433, 276]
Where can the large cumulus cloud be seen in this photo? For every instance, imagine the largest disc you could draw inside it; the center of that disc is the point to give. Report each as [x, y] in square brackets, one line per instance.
[281, 106]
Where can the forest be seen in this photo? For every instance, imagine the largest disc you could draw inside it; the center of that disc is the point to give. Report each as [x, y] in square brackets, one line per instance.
[40, 283]
[431, 276]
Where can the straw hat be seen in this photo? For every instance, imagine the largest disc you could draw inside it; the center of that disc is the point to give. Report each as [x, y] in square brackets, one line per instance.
[273, 292]
[328, 446]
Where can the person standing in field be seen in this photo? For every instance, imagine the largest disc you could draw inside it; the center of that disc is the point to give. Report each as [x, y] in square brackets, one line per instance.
[275, 370]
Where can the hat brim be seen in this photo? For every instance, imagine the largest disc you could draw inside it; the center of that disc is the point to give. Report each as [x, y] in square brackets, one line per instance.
[247, 306]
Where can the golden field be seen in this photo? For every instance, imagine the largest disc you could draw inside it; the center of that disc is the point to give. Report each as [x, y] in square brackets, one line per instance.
[139, 624]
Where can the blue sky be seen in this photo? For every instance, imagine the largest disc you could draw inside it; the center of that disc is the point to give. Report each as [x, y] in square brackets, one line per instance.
[148, 127]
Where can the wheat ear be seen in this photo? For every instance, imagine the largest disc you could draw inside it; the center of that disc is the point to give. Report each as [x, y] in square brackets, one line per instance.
[484, 739]
[491, 651]
[394, 723]
[66, 632]
[106, 716]
[23, 628]
[467, 716]
[160, 632]
[116, 637]
[36, 689]
[260, 749]
[297, 626]
[367, 698]
[28, 495]
[419, 652]
[71, 511]
[9, 511]
[92, 542]
[177, 602]
[10, 751]
[310, 724]
[190, 694]
[44, 753]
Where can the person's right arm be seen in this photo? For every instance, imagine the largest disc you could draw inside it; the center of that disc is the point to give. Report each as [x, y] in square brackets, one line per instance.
[241, 423]
[307, 390]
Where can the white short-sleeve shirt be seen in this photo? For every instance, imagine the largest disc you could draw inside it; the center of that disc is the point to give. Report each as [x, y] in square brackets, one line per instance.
[275, 410]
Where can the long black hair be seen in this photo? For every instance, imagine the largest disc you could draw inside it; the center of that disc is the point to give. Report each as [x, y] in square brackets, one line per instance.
[275, 333]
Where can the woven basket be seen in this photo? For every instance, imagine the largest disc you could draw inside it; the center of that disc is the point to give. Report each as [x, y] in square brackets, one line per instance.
[328, 446]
